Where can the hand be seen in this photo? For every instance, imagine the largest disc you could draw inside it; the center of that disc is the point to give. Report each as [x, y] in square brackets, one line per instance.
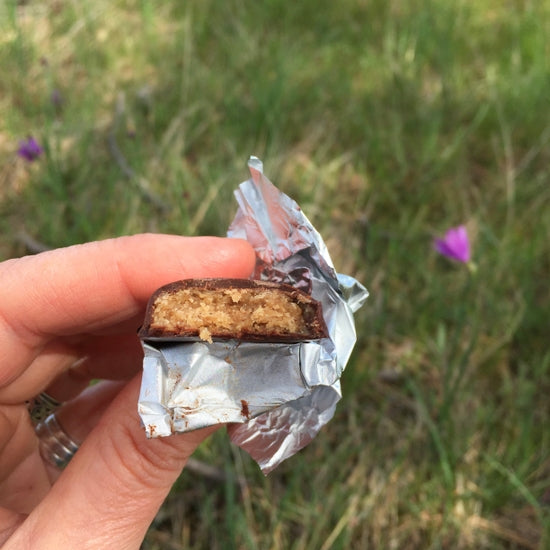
[66, 317]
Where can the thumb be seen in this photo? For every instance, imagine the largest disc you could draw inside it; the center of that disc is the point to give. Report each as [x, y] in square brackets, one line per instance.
[112, 489]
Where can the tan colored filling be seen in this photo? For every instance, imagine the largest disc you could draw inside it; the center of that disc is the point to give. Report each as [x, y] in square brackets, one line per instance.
[228, 311]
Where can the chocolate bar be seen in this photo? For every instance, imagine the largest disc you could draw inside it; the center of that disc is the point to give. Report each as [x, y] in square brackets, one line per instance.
[242, 309]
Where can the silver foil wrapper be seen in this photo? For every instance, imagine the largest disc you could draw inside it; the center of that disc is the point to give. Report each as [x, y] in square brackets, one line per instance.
[276, 396]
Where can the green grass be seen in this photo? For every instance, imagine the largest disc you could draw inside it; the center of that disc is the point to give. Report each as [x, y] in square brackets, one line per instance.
[388, 122]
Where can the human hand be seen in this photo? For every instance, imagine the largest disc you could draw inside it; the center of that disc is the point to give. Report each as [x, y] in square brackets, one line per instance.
[66, 317]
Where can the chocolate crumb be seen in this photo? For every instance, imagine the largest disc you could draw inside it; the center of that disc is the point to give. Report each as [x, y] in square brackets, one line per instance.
[244, 409]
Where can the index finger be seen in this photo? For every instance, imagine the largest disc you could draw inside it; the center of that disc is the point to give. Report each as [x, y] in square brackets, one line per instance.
[89, 287]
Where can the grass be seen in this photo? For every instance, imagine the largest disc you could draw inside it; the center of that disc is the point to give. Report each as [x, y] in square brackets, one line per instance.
[388, 122]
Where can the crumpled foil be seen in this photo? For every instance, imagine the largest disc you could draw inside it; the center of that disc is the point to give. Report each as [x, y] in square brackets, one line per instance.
[277, 396]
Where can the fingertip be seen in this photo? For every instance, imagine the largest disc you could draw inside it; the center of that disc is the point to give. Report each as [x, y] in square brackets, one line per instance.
[175, 257]
[241, 254]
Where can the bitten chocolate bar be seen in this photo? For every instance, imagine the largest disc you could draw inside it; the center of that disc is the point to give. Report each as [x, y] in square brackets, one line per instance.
[242, 309]
[279, 388]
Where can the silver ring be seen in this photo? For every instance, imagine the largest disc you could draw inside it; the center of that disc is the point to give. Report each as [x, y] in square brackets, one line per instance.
[41, 406]
[55, 445]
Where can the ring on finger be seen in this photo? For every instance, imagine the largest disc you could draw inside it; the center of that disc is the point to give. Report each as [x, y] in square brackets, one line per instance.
[41, 406]
[55, 445]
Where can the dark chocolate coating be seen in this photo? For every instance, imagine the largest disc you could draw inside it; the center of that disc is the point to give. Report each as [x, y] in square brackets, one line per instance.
[311, 311]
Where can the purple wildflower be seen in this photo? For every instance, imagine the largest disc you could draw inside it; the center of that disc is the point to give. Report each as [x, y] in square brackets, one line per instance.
[29, 149]
[455, 244]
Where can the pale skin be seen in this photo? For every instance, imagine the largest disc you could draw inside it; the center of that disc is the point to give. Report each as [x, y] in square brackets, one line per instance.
[68, 316]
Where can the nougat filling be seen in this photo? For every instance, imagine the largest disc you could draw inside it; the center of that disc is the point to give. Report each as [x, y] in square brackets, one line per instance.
[223, 312]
